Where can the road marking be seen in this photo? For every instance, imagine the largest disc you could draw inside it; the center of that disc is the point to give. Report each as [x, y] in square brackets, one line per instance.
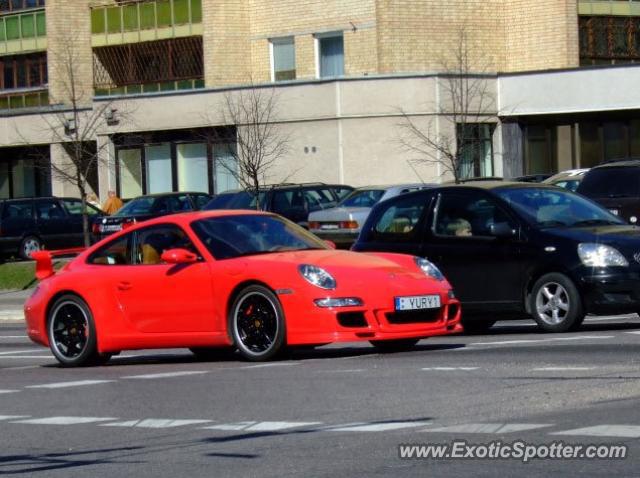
[13, 417]
[488, 428]
[167, 374]
[561, 369]
[260, 426]
[14, 336]
[448, 369]
[534, 341]
[375, 427]
[64, 420]
[274, 364]
[623, 431]
[155, 423]
[23, 367]
[8, 391]
[79, 383]
[352, 370]
[28, 351]
[635, 332]
[26, 357]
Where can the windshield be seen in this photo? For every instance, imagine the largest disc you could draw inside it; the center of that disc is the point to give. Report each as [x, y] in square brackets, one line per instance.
[244, 235]
[556, 208]
[240, 200]
[611, 183]
[136, 207]
[362, 198]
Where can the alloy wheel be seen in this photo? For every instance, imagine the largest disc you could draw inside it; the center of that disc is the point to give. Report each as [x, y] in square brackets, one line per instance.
[256, 323]
[552, 303]
[69, 330]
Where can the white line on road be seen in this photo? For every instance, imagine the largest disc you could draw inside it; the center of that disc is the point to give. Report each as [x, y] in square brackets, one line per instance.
[167, 374]
[624, 431]
[155, 423]
[64, 420]
[561, 369]
[273, 364]
[28, 351]
[14, 336]
[351, 370]
[375, 427]
[448, 369]
[488, 428]
[26, 367]
[260, 426]
[2, 392]
[13, 417]
[25, 357]
[535, 341]
[635, 332]
[79, 383]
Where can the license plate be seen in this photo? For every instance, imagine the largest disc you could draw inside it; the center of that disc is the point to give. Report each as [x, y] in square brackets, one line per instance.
[326, 227]
[111, 227]
[418, 302]
[614, 211]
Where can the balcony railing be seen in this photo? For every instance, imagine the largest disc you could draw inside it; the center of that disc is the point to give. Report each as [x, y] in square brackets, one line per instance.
[31, 98]
[609, 7]
[145, 21]
[23, 32]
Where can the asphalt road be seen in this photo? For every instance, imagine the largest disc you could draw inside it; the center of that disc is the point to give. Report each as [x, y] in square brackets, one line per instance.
[333, 411]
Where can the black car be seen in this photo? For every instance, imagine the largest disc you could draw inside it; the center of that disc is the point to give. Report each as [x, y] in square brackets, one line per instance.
[148, 207]
[511, 249]
[293, 201]
[616, 186]
[30, 224]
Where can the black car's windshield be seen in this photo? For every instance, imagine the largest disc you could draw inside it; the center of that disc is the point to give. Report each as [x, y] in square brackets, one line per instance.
[362, 198]
[239, 200]
[556, 208]
[611, 182]
[136, 207]
[227, 237]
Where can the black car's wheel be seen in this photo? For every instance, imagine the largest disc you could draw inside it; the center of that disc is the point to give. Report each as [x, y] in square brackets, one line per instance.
[28, 246]
[399, 345]
[257, 323]
[478, 326]
[72, 333]
[555, 303]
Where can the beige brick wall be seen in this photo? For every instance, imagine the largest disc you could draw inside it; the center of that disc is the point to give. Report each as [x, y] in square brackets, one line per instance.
[69, 55]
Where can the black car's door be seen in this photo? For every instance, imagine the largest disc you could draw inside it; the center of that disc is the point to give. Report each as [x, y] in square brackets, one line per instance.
[290, 204]
[484, 267]
[73, 207]
[53, 224]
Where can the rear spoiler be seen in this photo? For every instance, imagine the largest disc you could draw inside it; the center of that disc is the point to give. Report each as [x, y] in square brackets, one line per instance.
[44, 260]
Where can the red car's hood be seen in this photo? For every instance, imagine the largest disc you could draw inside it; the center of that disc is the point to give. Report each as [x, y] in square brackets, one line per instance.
[332, 259]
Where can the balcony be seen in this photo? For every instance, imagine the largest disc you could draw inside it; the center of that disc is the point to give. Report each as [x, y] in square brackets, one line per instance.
[609, 7]
[135, 22]
[26, 98]
[23, 32]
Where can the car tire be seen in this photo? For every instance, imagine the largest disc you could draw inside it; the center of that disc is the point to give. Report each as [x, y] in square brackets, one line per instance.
[257, 324]
[477, 327]
[398, 345]
[29, 245]
[555, 303]
[72, 333]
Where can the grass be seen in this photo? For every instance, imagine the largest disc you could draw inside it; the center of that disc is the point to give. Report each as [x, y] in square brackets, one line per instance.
[20, 275]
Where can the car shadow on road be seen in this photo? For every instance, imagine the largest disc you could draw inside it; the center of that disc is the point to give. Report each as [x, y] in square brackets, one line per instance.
[530, 327]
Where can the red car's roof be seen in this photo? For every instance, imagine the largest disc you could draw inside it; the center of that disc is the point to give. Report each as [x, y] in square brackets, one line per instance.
[187, 217]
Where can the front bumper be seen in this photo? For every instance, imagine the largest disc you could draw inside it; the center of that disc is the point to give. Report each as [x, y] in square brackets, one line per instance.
[614, 293]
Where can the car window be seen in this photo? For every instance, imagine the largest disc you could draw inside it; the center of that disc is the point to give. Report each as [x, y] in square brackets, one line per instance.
[18, 210]
[318, 199]
[153, 241]
[136, 207]
[116, 252]
[467, 215]
[74, 207]
[284, 201]
[362, 198]
[49, 210]
[401, 218]
[168, 204]
[342, 193]
[200, 200]
[611, 182]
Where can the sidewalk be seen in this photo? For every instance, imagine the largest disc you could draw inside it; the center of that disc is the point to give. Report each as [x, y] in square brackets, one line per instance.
[11, 302]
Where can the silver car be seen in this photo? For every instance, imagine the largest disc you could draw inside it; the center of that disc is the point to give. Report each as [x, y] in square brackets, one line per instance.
[342, 224]
[567, 179]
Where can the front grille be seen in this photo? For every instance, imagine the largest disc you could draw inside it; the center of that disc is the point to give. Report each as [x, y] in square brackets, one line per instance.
[352, 319]
[414, 316]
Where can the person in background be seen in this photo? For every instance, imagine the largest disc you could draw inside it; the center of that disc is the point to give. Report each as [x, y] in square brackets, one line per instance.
[112, 204]
[93, 200]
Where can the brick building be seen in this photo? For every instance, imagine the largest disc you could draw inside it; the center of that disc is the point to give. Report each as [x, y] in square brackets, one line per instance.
[560, 75]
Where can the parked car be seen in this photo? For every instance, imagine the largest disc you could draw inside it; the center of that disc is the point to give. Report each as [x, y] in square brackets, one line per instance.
[513, 250]
[532, 178]
[616, 186]
[30, 224]
[293, 201]
[569, 179]
[342, 224]
[276, 284]
[147, 207]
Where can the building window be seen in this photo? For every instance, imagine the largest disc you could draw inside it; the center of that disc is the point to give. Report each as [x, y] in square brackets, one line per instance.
[607, 40]
[24, 71]
[24, 172]
[540, 149]
[608, 140]
[192, 167]
[330, 50]
[283, 59]
[476, 158]
[14, 5]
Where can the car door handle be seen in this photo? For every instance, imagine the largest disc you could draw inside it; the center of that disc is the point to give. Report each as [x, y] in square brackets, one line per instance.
[124, 285]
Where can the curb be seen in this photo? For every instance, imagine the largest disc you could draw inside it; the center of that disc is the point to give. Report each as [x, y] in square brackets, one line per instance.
[12, 316]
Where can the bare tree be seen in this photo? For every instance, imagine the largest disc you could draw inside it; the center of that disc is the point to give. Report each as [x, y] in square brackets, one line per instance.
[257, 140]
[466, 98]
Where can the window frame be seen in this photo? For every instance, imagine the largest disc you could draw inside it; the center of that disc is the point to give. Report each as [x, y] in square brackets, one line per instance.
[416, 234]
[272, 56]
[317, 53]
[129, 251]
[136, 238]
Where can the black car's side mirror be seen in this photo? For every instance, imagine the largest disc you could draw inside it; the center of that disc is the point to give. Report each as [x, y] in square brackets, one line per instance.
[502, 229]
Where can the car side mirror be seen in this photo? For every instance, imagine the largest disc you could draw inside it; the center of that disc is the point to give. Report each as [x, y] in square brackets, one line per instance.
[179, 256]
[331, 244]
[502, 229]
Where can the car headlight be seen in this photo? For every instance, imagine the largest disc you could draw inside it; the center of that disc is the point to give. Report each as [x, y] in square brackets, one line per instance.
[429, 268]
[317, 276]
[599, 255]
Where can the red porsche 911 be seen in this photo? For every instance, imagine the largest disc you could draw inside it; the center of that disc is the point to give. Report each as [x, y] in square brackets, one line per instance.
[250, 280]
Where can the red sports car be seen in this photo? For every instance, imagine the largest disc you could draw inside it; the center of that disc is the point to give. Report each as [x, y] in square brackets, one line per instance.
[243, 279]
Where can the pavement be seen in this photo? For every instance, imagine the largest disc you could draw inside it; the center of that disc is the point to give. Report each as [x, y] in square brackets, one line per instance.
[11, 302]
[338, 410]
